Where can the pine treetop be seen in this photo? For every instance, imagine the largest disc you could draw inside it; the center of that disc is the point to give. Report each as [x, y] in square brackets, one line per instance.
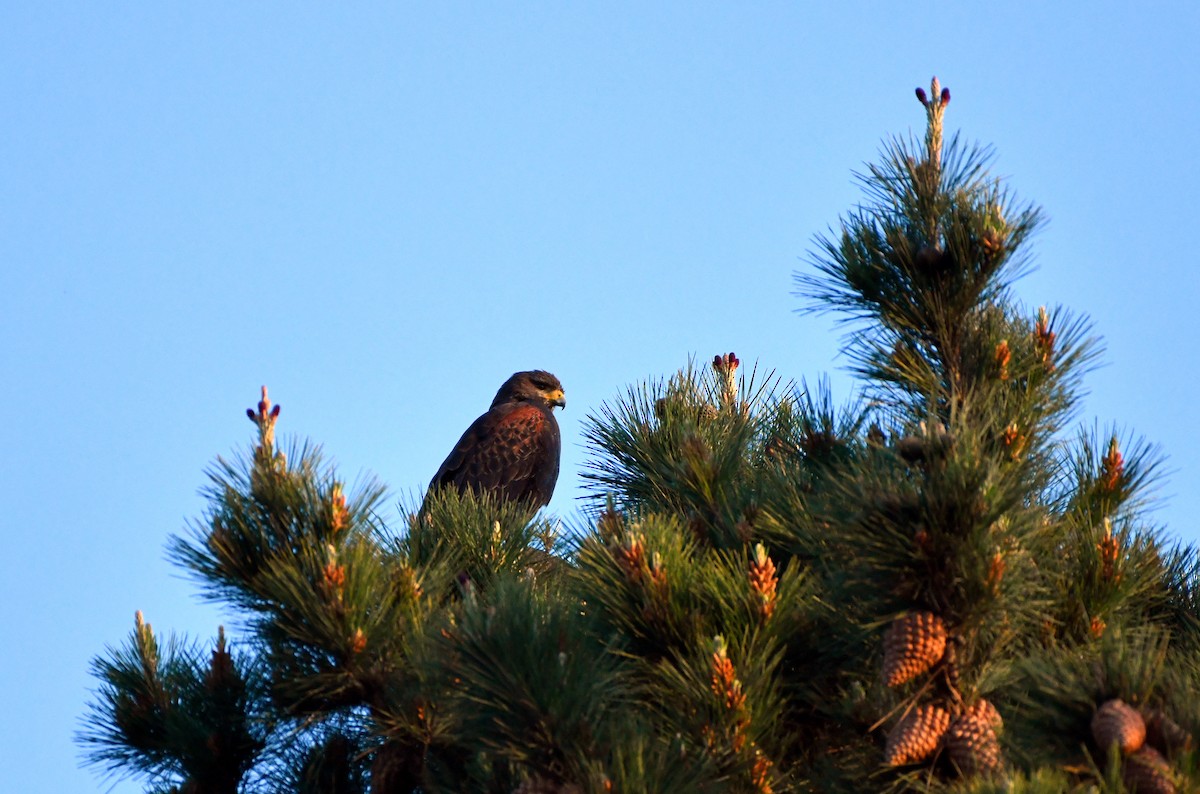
[936, 588]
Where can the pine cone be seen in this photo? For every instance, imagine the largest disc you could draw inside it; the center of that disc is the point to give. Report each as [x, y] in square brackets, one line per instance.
[1147, 772]
[913, 644]
[916, 736]
[1165, 735]
[971, 741]
[1118, 722]
[984, 711]
[911, 448]
[932, 262]
[925, 447]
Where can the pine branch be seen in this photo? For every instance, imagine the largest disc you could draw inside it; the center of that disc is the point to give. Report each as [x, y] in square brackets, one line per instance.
[478, 537]
[164, 714]
[671, 449]
[1053, 707]
[534, 682]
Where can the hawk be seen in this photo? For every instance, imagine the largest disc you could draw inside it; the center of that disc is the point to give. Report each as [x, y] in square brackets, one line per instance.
[512, 450]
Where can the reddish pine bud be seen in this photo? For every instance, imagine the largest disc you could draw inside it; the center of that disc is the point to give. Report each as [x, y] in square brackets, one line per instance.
[761, 773]
[337, 508]
[995, 572]
[726, 363]
[1044, 338]
[726, 366]
[221, 672]
[763, 581]
[1003, 358]
[275, 412]
[631, 556]
[921, 96]
[724, 682]
[250, 413]
[945, 96]
[1112, 467]
[1110, 553]
[1013, 439]
[335, 578]
[657, 574]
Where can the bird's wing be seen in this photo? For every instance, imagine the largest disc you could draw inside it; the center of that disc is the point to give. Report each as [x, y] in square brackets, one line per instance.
[547, 467]
[500, 452]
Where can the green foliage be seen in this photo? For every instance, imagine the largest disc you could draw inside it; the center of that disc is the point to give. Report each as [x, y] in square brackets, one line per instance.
[693, 447]
[922, 236]
[479, 537]
[534, 684]
[263, 509]
[1057, 692]
[170, 714]
[328, 768]
[1177, 602]
[754, 557]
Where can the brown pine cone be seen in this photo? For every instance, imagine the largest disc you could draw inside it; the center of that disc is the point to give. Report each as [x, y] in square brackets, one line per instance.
[1118, 722]
[1165, 735]
[971, 741]
[916, 736]
[985, 712]
[911, 448]
[1147, 772]
[913, 644]
[932, 262]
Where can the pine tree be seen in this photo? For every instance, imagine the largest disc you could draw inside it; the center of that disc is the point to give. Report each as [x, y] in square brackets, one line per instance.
[937, 587]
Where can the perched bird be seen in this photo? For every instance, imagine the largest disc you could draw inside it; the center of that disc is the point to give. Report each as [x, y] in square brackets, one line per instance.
[512, 450]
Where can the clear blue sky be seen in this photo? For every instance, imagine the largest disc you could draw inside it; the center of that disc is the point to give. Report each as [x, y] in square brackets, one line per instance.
[383, 210]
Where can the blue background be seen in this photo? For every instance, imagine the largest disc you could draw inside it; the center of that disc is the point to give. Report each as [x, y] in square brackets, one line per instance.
[383, 210]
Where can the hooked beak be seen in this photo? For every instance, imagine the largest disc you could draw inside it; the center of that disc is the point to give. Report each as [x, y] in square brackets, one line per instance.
[557, 397]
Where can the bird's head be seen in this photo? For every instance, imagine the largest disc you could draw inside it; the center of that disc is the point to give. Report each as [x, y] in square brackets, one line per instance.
[536, 386]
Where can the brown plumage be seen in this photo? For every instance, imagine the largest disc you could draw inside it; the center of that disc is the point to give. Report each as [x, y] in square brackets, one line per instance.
[511, 451]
